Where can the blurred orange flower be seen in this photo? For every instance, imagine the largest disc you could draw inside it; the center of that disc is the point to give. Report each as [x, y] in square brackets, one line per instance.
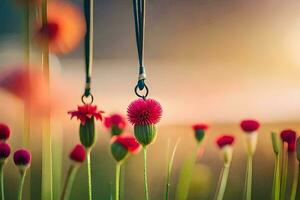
[65, 28]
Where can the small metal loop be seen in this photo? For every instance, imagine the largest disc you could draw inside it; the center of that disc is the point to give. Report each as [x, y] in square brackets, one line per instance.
[139, 95]
[86, 97]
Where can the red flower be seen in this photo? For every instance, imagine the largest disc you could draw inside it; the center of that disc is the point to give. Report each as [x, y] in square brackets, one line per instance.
[86, 112]
[289, 136]
[128, 142]
[203, 127]
[144, 112]
[115, 120]
[22, 157]
[4, 132]
[224, 140]
[249, 125]
[78, 153]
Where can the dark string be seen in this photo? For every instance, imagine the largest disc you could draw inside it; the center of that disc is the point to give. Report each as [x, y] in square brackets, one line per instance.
[139, 7]
[88, 50]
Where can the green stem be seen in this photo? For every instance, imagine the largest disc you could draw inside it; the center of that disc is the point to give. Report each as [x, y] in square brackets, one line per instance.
[21, 184]
[88, 156]
[2, 181]
[118, 170]
[298, 183]
[145, 175]
[276, 179]
[47, 151]
[284, 171]
[169, 170]
[223, 182]
[295, 177]
[69, 182]
[249, 178]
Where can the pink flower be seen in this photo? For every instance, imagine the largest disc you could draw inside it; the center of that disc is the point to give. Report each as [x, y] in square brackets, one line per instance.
[128, 142]
[115, 120]
[225, 140]
[22, 157]
[85, 112]
[4, 150]
[203, 127]
[289, 136]
[4, 132]
[249, 125]
[144, 112]
[78, 153]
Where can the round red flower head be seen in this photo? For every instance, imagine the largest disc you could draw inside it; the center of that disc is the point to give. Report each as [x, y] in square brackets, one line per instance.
[22, 158]
[4, 151]
[225, 140]
[144, 114]
[199, 130]
[289, 136]
[87, 115]
[249, 125]
[116, 123]
[78, 154]
[4, 132]
[122, 145]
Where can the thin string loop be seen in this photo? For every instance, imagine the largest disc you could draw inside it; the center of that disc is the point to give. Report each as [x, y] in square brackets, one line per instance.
[139, 7]
[88, 44]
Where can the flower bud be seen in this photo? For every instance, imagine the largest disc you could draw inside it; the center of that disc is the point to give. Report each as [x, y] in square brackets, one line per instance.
[22, 158]
[87, 133]
[78, 154]
[298, 148]
[116, 123]
[199, 130]
[4, 132]
[118, 151]
[275, 143]
[289, 136]
[225, 142]
[4, 152]
[145, 134]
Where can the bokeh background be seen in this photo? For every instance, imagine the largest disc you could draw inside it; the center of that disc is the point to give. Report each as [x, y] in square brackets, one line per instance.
[207, 61]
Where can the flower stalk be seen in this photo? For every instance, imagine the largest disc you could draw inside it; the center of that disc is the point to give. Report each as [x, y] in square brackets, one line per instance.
[248, 192]
[145, 175]
[21, 184]
[88, 158]
[284, 164]
[69, 182]
[2, 181]
[118, 172]
[222, 182]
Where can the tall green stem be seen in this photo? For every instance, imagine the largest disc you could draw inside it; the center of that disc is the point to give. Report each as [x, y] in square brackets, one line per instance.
[169, 170]
[118, 170]
[21, 184]
[69, 182]
[298, 183]
[88, 157]
[223, 182]
[145, 175]
[284, 171]
[47, 151]
[248, 187]
[295, 177]
[2, 181]
[276, 179]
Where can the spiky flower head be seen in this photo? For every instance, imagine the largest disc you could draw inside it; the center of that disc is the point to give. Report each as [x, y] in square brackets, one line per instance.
[4, 151]
[289, 136]
[199, 130]
[144, 114]
[116, 123]
[22, 158]
[4, 132]
[122, 145]
[78, 154]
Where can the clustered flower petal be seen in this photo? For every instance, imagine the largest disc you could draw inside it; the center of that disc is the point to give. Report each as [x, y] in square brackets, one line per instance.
[203, 127]
[22, 157]
[289, 136]
[249, 125]
[85, 112]
[144, 112]
[225, 140]
[128, 142]
[4, 150]
[78, 154]
[115, 120]
[4, 132]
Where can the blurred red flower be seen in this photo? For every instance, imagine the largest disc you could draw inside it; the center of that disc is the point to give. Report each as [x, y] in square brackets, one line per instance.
[224, 140]
[128, 142]
[249, 125]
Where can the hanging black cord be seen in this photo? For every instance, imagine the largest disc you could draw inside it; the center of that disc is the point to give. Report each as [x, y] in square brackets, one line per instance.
[139, 7]
[88, 45]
